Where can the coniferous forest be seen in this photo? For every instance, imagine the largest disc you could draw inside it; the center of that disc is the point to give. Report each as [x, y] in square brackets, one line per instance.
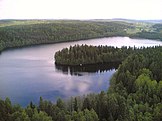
[25, 33]
[80, 60]
[135, 94]
[84, 55]
[18, 33]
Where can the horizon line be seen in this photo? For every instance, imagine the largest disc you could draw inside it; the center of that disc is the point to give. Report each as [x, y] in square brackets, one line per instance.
[80, 19]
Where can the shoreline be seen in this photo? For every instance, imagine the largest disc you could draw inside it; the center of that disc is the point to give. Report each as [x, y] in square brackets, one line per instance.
[66, 41]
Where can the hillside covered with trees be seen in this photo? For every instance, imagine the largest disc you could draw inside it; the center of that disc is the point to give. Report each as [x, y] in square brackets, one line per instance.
[18, 33]
[135, 94]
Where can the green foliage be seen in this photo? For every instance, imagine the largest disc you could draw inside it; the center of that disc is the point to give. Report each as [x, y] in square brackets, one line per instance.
[40, 32]
[84, 54]
[86, 115]
[20, 116]
[16, 113]
[148, 35]
[41, 116]
[14, 33]
[145, 97]
[135, 93]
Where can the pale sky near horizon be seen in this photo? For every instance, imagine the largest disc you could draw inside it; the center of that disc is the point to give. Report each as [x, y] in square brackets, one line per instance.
[81, 9]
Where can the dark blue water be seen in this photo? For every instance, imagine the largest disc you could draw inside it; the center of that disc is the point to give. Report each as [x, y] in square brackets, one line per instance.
[28, 73]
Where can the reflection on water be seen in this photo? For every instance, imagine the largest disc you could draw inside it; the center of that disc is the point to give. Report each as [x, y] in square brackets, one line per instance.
[95, 68]
[28, 73]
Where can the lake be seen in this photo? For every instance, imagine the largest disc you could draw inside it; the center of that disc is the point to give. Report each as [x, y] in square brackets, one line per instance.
[29, 72]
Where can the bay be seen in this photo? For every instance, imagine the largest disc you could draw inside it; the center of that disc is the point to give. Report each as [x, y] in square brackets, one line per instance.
[29, 72]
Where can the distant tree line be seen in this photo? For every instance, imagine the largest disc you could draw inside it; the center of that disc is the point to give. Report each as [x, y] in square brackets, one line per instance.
[41, 32]
[57, 31]
[156, 33]
[148, 35]
[135, 94]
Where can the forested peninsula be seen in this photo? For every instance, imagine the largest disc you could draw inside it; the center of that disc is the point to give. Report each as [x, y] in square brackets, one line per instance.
[18, 33]
[80, 55]
[135, 94]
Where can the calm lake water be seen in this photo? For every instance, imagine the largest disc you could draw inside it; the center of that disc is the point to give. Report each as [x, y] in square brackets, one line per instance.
[28, 73]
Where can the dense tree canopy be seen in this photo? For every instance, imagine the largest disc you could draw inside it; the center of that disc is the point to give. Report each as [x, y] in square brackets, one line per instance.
[84, 54]
[18, 33]
[135, 94]
[57, 31]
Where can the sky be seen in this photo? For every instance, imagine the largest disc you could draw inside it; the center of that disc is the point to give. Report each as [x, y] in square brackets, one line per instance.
[81, 9]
